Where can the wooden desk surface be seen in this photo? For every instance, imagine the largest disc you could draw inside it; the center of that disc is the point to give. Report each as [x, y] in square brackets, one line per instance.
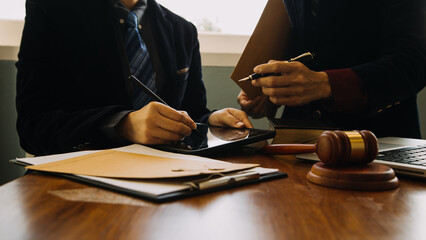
[40, 206]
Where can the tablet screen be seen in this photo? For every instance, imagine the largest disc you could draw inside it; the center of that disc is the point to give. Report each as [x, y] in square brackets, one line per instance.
[208, 139]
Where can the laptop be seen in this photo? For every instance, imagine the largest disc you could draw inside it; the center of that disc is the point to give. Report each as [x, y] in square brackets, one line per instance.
[406, 156]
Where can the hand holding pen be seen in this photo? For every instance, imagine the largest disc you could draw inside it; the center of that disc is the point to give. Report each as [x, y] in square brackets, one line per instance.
[289, 83]
[158, 123]
[303, 58]
[155, 123]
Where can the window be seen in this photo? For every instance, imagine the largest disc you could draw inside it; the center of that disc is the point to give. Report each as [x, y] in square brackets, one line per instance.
[12, 10]
[224, 26]
[219, 16]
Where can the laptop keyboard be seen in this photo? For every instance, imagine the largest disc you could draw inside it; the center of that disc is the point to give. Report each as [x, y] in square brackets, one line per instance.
[410, 155]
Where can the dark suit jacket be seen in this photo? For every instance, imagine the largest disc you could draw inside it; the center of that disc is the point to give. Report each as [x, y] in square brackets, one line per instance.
[73, 72]
[383, 42]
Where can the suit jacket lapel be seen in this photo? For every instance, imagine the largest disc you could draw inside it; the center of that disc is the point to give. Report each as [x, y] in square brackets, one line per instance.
[157, 33]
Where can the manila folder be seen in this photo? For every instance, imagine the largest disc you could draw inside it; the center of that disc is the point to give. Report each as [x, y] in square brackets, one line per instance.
[120, 164]
[269, 41]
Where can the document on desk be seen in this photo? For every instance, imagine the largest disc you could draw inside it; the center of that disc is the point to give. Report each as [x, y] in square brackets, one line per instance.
[123, 164]
[149, 173]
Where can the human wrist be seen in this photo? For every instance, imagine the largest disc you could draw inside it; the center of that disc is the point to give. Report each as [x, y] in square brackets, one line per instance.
[347, 91]
[325, 85]
[122, 128]
[212, 118]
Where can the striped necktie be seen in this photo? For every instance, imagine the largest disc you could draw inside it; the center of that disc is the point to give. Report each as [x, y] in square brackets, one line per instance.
[139, 62]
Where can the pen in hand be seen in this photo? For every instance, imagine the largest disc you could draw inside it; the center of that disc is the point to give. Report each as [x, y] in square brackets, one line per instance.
[155, 97]
[303, 58]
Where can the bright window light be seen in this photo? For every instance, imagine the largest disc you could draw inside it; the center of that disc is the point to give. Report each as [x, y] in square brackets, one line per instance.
[224, 26]
[12, 9]
[219, 16]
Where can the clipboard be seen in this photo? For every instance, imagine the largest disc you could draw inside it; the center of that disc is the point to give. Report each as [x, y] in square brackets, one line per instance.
[162, 190]
[270, 41]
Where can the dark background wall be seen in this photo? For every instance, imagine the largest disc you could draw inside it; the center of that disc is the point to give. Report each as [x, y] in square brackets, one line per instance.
[9, 142]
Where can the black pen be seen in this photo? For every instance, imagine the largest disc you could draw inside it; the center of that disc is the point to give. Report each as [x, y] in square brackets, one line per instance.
[148, 91]
[304, 58]
[155, 97]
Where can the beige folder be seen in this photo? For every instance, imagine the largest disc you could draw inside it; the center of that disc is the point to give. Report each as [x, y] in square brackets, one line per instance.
[269, 41]
[120, 164]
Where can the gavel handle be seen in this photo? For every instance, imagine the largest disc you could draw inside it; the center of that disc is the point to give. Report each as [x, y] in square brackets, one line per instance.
[288, 148]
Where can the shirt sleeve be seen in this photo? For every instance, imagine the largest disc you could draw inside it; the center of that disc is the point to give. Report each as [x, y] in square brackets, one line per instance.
[347, 93]
[107, 127]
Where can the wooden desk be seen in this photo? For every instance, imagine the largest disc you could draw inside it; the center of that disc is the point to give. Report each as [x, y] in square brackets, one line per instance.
[39, 206]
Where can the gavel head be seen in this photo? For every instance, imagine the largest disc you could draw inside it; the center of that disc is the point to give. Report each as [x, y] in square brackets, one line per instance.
[347, 147]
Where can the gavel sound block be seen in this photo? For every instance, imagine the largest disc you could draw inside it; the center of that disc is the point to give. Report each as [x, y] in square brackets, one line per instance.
[346, 158]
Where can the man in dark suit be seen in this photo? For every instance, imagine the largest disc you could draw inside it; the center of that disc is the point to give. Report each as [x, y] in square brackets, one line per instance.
[370, 64]
[73, 88]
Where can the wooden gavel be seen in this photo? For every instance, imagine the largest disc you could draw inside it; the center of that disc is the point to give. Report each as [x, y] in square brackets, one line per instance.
[335, 148]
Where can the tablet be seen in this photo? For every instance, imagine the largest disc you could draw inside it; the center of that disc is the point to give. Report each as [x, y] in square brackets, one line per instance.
[210, 140]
